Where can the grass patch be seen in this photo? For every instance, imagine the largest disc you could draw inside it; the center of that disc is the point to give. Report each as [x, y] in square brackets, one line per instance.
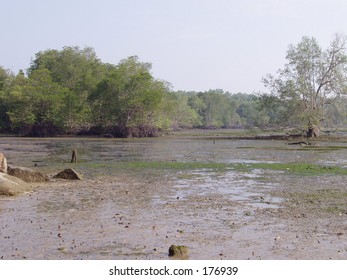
[291, 168]
[160, 165]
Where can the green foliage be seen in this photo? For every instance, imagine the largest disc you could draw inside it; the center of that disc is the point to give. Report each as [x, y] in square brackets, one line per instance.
[6, 78]
[71, 91]
[129, 96]
[218, 109]
[78, 71]
[35, 102]
[112, 98]
[176, 112]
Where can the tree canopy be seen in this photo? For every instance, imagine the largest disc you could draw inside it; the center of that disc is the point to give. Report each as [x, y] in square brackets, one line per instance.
[71, 91]
[310, 79]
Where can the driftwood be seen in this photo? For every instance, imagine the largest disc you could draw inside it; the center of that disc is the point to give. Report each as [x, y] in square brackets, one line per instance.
[301, 143]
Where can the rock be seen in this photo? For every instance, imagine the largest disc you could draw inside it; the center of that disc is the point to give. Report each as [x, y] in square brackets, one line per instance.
[27, 175]
[10, 185]
[178, 251]
[3, 163]
[68, 174]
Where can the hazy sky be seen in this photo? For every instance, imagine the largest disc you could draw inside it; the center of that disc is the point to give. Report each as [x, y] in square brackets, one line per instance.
[193, 44]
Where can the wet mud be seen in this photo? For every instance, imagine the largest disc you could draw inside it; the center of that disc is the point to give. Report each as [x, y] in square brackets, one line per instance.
[116, 213]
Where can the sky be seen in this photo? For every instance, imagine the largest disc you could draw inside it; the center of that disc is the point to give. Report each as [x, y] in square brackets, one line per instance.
[195, 45]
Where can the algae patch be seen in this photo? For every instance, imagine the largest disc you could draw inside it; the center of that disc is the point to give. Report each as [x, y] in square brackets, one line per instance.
[295, 168]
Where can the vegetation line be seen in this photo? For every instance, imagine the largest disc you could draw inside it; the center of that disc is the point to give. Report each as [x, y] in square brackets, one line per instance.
[289, 168]
[71, 92]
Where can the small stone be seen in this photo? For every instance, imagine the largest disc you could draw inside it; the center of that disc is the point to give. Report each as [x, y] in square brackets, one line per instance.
[63, 249]
[178, 251]
[11, 193]
[247, 213]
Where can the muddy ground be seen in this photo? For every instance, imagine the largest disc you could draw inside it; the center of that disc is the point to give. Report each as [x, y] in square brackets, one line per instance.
[116, 213]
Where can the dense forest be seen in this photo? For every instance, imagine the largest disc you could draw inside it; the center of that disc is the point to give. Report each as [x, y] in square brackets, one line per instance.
[72, 92]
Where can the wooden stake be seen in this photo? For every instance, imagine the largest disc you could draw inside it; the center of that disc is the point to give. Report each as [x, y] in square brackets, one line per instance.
[74, 156]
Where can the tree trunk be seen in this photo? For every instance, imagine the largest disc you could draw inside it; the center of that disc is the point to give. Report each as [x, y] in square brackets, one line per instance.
[312, 131]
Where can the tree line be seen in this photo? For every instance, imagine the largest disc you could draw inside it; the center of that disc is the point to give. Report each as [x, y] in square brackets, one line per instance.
[71, 91]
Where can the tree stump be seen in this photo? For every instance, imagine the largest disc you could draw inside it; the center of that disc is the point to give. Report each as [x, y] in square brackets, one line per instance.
[74, 156]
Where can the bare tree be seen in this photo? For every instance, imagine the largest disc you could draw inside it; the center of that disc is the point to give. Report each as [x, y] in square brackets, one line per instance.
[310, 77]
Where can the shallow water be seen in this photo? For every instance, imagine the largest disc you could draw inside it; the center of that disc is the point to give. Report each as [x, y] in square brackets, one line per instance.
[110, 215]
[168, 149]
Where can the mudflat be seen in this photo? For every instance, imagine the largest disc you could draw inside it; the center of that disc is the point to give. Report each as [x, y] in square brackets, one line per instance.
[223, 199]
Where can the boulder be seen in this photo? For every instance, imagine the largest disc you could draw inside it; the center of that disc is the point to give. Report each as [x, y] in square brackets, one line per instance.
[27, 175]
[10, 185]
[68, 174]
[178, 251]
[3, 163]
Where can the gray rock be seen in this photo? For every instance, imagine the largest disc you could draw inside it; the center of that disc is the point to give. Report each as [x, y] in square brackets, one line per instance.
[10, 185]
[3, 163]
